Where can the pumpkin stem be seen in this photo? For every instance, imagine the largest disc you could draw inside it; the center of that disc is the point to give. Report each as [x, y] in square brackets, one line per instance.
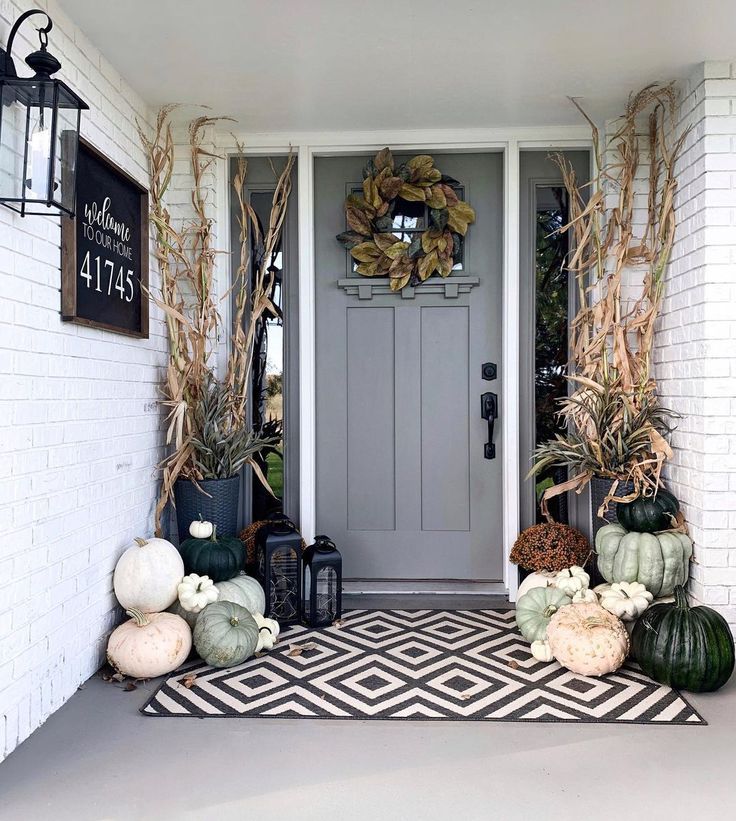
[140, 542]
[681, 598]
[235, 621]
[213, 537]
[549, 611]
[141, 619]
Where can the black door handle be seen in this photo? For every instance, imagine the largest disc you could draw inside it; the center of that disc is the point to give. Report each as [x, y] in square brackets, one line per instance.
[489, 412]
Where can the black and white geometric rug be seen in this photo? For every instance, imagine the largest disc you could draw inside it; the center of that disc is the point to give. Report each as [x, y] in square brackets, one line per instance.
[419, 665]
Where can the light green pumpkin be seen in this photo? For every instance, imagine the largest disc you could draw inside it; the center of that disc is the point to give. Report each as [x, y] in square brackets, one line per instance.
[245, 591]
[177, 609]
[659, 561]
[535, 608]
[225, 634]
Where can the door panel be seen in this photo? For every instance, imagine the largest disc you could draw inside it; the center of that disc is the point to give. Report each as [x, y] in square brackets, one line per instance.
[402, 483]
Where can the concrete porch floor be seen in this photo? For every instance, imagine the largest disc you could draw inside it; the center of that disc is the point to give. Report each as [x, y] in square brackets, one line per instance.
[98, 759]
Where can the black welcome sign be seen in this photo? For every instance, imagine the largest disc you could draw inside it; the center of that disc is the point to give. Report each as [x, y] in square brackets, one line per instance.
[104, 248]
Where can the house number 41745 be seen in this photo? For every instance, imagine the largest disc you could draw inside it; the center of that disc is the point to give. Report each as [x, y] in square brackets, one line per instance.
[104, 269]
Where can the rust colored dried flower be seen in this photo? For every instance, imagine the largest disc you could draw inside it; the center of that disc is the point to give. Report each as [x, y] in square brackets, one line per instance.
[550, 546]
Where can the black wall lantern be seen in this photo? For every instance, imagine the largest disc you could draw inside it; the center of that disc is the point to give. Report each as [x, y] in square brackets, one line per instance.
[279, 568]
[39, 132]
[322, 583]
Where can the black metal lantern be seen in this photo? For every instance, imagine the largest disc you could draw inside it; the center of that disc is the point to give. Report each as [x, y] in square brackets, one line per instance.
[322, 583]
[279, 569]
[39, 132]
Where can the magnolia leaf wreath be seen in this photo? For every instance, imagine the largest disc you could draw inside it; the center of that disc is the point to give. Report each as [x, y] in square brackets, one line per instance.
[371, 242]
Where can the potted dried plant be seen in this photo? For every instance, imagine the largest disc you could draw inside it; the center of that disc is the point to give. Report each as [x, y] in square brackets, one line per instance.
[616, 429]
[208, 425]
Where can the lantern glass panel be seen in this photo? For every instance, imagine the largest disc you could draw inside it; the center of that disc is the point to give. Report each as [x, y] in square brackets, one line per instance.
[326, 595]
[283, 580]
[12, 144]
[65, 150]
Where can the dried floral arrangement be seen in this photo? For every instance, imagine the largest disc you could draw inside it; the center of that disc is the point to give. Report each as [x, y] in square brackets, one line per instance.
[550, 546]
[371, 239]
[208, 430]
[616, 427]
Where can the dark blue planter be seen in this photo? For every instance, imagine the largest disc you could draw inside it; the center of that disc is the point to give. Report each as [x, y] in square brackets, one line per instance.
[218, 504]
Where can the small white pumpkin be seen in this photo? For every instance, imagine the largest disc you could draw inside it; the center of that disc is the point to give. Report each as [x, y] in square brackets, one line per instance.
[199, 529]
[541, 578]
[149, 644]
[571, 580]
[585, 595]
[196, 592]
[268, 631]
[147, 575]
[542, 652]
[626, 600]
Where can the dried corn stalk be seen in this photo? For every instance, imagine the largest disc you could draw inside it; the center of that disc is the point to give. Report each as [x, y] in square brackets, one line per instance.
[186, 259]
[616, 428]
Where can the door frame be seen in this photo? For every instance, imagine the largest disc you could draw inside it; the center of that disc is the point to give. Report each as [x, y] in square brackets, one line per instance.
[309, 145]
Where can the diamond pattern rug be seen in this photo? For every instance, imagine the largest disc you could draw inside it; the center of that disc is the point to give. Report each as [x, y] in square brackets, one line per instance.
[418, 664]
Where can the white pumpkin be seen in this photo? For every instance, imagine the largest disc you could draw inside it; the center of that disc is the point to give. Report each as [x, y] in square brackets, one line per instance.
[147, 575]
[149, 644]
[268, 631]
[587, 639]
[245, 591]
[626, 600]
[542, 578]
[572, 580]
[585, 595]
[199, 529]
[196, 592]
[542, 652]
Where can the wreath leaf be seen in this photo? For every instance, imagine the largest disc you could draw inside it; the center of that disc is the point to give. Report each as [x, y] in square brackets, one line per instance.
[365, 252]
[413, 193]
[358, 221]
[384, 159]
[427, 265]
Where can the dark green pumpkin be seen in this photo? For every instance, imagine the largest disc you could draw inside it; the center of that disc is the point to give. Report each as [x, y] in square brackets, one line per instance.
[219, 557]
[688, 648]
[648, 514]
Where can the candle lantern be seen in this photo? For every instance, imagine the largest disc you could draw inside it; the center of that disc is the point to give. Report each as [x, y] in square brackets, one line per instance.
[39, 132]
[322, 583]
[279, 569]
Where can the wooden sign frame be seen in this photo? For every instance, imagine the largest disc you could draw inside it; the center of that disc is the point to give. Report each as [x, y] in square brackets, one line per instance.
[69, 261]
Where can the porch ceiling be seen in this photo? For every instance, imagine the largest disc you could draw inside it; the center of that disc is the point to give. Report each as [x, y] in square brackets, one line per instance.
[318, 65]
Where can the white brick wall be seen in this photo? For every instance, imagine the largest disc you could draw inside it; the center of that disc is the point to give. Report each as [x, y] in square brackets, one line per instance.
[696, 344]
[79, 426]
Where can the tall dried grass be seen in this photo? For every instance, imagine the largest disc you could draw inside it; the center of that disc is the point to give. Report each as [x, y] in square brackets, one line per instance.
[186, 257]
[612, 337]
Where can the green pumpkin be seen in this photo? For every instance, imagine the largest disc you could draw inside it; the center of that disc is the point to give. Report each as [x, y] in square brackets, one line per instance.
[658, 561]
[683, 647]
[245, 591]
[535, 608]
[220, 558]
[225, 634]
[178, 610]
[648, 514]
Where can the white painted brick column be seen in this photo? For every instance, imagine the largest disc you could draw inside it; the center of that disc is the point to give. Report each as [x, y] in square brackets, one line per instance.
[80, 425]
[695, 358]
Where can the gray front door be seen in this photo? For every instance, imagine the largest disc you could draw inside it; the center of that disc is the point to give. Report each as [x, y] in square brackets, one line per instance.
[404, 487]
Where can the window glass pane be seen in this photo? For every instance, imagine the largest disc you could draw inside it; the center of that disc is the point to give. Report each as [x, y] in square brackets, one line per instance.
[268, 373]
[551, 341]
